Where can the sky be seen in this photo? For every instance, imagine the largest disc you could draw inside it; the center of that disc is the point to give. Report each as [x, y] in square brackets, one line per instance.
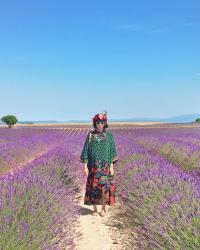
[62, 60]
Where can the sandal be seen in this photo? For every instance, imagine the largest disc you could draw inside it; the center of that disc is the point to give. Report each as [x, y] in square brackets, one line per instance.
[95, 212]
[103, 213]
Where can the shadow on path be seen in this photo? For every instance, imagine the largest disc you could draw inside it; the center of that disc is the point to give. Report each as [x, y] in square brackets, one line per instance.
[85, 211]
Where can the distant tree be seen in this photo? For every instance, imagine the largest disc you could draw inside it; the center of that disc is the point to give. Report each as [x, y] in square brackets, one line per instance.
[197, 120]
[10, 120]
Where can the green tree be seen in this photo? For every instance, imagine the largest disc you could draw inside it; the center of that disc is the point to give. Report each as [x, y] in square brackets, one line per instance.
[197, 120]
[10, 120]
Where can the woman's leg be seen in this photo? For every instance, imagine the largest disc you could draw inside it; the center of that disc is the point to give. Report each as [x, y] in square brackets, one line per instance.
[95, 208]
[103, 203]
[103, 207]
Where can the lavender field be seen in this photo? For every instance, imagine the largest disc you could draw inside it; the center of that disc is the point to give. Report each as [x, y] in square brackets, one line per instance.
[157, 184]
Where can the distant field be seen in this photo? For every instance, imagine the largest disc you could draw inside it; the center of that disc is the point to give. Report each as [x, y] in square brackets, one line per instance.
[111, 125]
[89, 124]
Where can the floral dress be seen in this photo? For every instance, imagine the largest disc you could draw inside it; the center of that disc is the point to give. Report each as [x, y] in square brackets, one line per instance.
[99, 152]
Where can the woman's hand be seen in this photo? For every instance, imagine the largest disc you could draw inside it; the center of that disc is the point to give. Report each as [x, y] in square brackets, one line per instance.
[86, 172]
[86, 169]
[111, 169]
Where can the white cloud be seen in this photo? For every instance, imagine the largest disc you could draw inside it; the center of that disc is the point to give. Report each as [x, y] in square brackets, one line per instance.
[150, 29]
[159, 30]
[188, 24]
[133, 27]
[141, 27]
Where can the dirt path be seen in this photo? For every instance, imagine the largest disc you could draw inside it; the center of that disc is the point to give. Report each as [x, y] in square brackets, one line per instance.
[101, 233]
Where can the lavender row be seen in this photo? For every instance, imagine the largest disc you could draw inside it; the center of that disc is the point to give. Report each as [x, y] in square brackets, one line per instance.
[160, 200]
[19, 146]
[37, 204]
[180, 146]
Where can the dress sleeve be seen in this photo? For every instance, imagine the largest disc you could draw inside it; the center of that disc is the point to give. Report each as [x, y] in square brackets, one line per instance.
[114, 157]
[84, 153]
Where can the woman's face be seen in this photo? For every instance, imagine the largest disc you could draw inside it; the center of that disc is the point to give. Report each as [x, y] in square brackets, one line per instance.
[100, 125]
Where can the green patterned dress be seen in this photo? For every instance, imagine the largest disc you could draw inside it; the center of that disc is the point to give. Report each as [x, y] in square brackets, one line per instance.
[99, 152]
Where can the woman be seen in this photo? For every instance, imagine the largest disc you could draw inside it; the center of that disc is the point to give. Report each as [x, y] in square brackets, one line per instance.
[99, 156]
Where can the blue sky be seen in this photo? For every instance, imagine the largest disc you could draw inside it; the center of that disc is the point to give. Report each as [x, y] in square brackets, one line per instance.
[72, 59]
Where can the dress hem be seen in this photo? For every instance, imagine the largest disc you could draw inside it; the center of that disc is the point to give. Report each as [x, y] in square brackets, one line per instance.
[90, 204]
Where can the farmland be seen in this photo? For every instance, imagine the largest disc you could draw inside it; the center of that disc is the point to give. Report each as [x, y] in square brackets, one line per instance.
[157, 185]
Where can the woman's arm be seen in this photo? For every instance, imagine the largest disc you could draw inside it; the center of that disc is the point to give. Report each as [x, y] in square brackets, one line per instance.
[86, 169]
[114, 157]
[84, 153]
[111, 169]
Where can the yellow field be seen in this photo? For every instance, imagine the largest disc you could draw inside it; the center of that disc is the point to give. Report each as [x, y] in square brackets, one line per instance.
[112, 125]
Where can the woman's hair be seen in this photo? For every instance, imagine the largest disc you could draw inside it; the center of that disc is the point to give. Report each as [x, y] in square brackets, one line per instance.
[104, 127]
